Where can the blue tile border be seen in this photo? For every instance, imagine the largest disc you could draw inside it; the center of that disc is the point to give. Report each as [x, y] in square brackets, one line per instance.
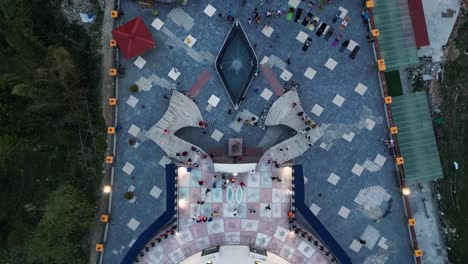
[318, 228]
[161, 221]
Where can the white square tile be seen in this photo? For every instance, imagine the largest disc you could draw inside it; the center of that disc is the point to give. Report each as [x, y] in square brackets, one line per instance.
[190, 40]
[380, 160]
[140, 62]
[357, 169]
[352, 44]
[286, 75]
[157, 24]
[294, 3]
[383, 243]
[265, 60]
[315, 209]
[164, 161]
[133, 224]
[302, 36]
[360, 89]
[268, 30]
[331, 64]
[343, 13]
[281, 233]
[338, 100]
[155, 192]
[370, 124]
[217, 135]
[134, 130]
[214, 100]
[174, 74]
[310, 73]
[209, 10]
[348, 136]
[128, 168]
[131, 188]
[266, 94]
[333, 178]
[344, 212]
[144, 84]
[317, 110]
[307, 249]
[323, 146]
[355, 246]
[132, 101]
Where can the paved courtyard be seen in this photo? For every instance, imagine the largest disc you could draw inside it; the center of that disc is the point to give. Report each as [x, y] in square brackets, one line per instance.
[350, 184]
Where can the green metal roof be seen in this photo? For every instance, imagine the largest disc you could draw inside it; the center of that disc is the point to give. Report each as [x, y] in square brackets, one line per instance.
[396, 38]
[416, 138]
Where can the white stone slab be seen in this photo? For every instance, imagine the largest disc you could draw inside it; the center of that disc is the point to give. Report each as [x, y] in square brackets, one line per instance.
[249, 225]
[268, 30]
[144, 84]
[286, 75]
[190, 40]
[383, 243]
[331, 64]
[307, 249]
[357, 169]
[360, 89]
[266, 94]
[133, 224]
[349, 136]
[157, 24]
[281, 233]
[155, 192]
[317, 110]
[214, 100]
[216, 226]
[343, 13]
[338, 100]
[333, 178]
[265, 60]
[131, 243]
[324, 146]
[209, 10]
[344, 212]
[174, 74]
[380, 160]
[140, 62]
[310, 73]
[315, 209]
[128, 168]
[263, 240]
[371, 235]
[294, 3]
[217, 135]
[134, 130]
[131, 188]
[370, 124]
[132, 101]
[352, 44]
[164, 161]
[302, 36]
[355, 246]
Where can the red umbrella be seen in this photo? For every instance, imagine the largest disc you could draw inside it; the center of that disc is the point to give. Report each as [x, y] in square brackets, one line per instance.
[133, 38]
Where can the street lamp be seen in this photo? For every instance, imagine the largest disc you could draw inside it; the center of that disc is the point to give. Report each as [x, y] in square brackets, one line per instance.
[406, 191]
[107, 189]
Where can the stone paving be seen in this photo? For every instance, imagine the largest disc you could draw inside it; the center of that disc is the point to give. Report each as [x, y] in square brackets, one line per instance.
[350, 185]
[244, 222]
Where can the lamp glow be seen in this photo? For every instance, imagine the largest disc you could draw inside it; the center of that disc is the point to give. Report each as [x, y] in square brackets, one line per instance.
[107, 189]
[406, 191]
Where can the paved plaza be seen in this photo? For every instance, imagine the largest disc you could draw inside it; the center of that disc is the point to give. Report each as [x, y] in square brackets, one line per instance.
[349, 180]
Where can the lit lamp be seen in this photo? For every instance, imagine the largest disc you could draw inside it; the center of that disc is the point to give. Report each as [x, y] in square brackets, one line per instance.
[406, 191]
[234, 174]
[107, 189]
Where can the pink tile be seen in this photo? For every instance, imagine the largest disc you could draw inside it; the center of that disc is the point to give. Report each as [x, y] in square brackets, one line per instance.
[232, 225]
[218, 207]
[275, 246]
[216, 239]
[195, 194]
[298, 258]
[248, 237]
[198, 230]
[170, 244]
[265, 195]
[293, 240]
[318, 258]
[255, 215]
[267, 227]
